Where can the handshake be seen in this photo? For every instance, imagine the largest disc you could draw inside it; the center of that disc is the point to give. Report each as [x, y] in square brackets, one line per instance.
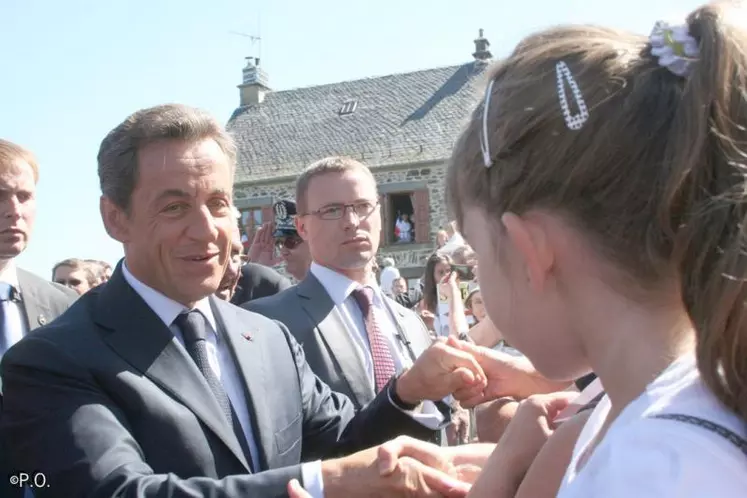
[405, 467]
[410, 467]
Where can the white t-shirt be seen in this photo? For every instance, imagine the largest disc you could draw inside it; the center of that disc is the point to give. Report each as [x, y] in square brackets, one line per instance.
[643, 457]
[404, 230]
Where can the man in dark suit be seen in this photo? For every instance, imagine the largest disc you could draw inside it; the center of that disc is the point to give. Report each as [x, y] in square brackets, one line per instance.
[150, 386]
[258, 281]
[26, 301]
[339, 218]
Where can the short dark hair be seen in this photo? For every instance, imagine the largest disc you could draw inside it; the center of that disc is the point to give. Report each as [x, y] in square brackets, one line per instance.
[118, 167]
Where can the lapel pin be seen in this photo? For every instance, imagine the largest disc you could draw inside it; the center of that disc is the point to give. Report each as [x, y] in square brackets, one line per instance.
[247, 336]
[42, 320]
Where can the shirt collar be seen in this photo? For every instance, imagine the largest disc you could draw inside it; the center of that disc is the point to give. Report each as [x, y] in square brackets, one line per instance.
[338, 286]
[166, 308]
[9, 274]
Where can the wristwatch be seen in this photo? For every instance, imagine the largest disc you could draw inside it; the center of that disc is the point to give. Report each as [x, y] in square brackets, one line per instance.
[396, 400]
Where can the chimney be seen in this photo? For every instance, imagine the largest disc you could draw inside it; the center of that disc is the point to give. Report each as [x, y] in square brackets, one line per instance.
[255, 85]
[482, 49]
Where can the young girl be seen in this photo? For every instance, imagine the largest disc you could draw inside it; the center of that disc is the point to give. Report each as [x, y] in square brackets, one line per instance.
[603, 184]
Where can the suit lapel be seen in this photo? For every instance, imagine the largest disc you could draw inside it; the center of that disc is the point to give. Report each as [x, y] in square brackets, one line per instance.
[248, 355]
[144, 341]
[331, 325]
[35, 304]
[413, 332]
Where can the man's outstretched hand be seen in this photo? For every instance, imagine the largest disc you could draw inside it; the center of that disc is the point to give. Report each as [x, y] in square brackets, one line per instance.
[505, 375]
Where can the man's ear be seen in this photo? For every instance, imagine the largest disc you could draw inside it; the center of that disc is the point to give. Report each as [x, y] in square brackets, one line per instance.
[300, 223]
[116, 220]
[530, 242]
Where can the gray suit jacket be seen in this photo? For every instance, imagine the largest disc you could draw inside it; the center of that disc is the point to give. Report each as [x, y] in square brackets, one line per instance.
[43, 301]
[317, 324]
[106, 403]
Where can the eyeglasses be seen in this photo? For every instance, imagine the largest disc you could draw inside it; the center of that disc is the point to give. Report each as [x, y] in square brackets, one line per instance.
[289, 243]
[71, 282]
[362, 209]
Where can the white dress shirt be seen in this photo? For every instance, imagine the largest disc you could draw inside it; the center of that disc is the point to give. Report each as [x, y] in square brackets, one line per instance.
[340, 288]
[222, 364]
[16, 320]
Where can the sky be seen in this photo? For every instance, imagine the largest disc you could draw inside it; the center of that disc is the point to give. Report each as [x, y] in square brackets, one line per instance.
[74, 69]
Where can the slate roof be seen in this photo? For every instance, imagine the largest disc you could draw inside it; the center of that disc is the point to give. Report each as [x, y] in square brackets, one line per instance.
[400, 118]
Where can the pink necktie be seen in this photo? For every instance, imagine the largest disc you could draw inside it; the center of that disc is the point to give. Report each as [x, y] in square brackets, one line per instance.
[383, 363]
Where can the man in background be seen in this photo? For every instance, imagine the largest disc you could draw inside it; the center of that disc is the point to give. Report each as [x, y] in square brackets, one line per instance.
[293, 250]
[76, 274]
[355, 337]
[228, 284]
[102, 269]
[26, 301]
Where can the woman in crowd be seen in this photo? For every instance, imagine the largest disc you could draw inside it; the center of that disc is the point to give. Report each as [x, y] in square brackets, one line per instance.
[442, 297]
[602, 184]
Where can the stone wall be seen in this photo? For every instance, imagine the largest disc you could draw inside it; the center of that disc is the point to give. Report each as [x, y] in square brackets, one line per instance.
[410, 256]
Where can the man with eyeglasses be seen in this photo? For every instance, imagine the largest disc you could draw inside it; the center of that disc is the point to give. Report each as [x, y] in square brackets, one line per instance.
[355, 338]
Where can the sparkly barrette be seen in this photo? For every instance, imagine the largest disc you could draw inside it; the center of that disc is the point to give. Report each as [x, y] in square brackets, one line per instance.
[573, 121]
[675, 48]
[565, 77]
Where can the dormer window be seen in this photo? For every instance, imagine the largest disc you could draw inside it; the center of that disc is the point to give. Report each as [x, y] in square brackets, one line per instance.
[348, 107]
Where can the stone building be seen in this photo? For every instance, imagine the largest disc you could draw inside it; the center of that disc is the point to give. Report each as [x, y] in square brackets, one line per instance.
[403, 126]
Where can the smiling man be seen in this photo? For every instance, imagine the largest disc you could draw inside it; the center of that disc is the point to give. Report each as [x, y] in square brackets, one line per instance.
[151, 386]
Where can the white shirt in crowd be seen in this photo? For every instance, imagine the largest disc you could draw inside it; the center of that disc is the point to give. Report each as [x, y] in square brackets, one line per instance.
[340, 288]
[222, 364]
[643, 457]
[387, 277]
[404, 230]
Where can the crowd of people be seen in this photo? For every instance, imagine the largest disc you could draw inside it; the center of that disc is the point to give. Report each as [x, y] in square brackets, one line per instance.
[578, 331]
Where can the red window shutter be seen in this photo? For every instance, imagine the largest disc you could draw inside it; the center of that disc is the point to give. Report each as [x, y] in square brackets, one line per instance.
[421, 216]
[267, 214]
[383, 241]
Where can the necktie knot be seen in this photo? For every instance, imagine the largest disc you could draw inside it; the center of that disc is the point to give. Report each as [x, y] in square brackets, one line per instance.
[193, 326]
[364, 296]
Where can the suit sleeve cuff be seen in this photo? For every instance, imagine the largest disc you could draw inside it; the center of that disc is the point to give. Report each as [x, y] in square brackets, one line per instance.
[426, 413]
[311, 474]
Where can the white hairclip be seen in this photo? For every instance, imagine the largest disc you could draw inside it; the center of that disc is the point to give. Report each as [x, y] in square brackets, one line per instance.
[564, 75]
[675, 48]
[484, 142]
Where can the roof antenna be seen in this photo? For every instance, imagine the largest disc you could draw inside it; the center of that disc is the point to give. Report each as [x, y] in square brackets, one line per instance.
[255, 40]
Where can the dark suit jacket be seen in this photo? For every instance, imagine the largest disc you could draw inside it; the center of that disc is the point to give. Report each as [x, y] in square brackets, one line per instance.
[257, 281]
[317, 324]
[106, 403]
[42, 302]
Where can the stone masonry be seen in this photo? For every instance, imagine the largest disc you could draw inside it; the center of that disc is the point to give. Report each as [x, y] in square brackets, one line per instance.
[411, 256]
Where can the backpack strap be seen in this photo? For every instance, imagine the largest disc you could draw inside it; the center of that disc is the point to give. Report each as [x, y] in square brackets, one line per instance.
[720, 430]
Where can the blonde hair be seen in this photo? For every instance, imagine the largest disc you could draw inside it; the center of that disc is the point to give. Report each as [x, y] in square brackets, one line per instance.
[321, 167]
[655, 178]
[11, 152]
